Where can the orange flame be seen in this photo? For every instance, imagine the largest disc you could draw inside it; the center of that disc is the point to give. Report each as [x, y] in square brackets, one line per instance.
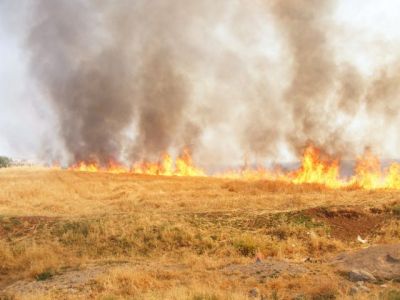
[393, 177]
[312, 170]
[85, 167]
[93, 167]
[182, 166]
[316, 170]
[368, 173]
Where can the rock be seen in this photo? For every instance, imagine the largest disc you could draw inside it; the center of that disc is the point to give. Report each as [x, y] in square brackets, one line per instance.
[361, 240]
[254, 293]
[357, 289]
[361, 275]
[392, 260]
[353, 290]
[310, 260]
[377, 263]
[363, 288]
[360, 283]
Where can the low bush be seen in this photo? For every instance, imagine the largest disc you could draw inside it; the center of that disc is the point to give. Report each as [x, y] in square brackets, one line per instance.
[5, 162]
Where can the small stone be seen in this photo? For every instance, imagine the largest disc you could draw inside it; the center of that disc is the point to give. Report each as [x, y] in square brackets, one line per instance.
[391, 259]
[353, 290]
[311, 260]
[363, 288]
[254, 293]
[361, 240]
[361, 275]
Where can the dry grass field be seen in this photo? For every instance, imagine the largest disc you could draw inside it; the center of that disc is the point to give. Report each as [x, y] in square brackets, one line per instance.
[76, 235]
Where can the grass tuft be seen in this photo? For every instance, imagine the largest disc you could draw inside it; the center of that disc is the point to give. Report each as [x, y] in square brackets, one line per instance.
[44, 275]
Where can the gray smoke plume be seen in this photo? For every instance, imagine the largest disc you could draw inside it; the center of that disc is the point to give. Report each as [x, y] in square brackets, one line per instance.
[321, 89]
[131, 79]
[84, 75]
[305, 25]
[106, 66]
[382, 96]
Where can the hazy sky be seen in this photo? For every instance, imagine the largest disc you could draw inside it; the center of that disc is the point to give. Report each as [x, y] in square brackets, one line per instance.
[368, 35]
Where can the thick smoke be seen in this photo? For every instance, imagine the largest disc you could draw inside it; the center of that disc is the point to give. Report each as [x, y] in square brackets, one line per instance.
[322, 90]
[164, 96]
[309, 97]
[132, 79]
[382, 97]
[88, 81]
[105, 67]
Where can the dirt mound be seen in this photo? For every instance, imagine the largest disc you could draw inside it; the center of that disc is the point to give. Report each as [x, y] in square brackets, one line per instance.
[347, 224]
[377, 263]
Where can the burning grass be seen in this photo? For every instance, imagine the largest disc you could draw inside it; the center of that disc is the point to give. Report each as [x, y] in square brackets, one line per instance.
[315, 169]
[169, 237]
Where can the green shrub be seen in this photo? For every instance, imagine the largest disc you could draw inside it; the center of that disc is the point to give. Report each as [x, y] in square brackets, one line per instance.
[396, 210]
[44, 276]
[5, 162]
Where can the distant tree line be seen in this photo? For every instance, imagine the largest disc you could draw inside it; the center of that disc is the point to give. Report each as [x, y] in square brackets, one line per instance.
[5, 162]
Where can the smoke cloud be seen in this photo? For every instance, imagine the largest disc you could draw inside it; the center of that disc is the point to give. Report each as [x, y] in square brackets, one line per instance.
[322, 90]
[131, 79]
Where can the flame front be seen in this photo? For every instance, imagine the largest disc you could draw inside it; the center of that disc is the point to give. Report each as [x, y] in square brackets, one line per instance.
[182, 166]
[94, 167]
[368, 172]
[393, 177]
[316, 170]
[86, 167]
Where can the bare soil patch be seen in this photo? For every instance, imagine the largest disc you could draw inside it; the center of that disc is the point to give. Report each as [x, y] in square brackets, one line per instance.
[347, 223]
[70, 282]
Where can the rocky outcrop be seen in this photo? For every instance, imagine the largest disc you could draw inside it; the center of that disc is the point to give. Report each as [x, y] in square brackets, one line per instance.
[377, 263]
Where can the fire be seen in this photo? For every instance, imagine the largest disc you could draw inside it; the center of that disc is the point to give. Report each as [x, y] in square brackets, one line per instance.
[314, 169]
[393, 177]
[182, 166]
[368, 172]
[93, 167]
[185, 167]
[85, 167]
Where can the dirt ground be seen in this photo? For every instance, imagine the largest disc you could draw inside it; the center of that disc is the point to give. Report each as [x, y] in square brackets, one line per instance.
[69, 235]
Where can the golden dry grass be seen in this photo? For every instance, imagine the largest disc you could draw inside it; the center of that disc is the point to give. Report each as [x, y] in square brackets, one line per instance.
[170, 237]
